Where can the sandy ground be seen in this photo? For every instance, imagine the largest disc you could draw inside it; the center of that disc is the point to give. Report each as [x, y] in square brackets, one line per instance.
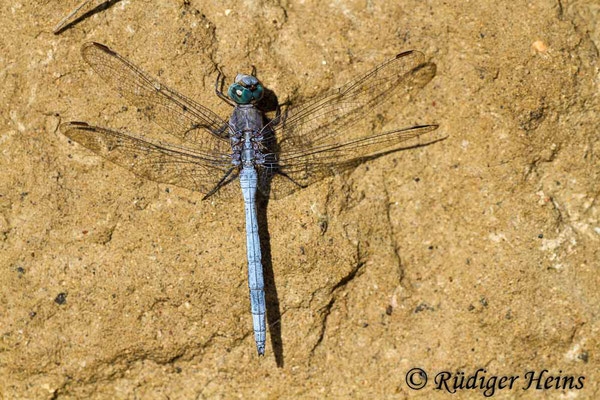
[481, 251]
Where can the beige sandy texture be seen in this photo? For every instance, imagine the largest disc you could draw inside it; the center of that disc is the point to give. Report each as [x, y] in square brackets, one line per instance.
[481, 251]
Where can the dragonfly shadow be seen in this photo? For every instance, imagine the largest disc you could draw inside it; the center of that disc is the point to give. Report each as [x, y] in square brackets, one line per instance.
[269, 103]
[97, 9]
[273, 308]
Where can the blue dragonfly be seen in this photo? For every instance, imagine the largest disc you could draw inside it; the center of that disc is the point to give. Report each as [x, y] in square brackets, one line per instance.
[300, 145]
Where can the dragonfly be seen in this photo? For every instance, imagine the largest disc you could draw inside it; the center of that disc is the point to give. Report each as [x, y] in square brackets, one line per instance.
[200, 151]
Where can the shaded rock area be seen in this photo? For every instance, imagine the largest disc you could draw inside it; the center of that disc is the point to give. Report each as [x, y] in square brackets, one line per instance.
[480, 251]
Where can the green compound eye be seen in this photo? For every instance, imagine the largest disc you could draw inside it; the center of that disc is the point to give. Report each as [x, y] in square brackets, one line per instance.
[246, 89]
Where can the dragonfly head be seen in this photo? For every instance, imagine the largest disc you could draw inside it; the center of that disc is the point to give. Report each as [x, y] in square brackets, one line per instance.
[246, 89]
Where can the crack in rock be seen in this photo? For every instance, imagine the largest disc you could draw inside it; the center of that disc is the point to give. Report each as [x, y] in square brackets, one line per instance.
[326, 311]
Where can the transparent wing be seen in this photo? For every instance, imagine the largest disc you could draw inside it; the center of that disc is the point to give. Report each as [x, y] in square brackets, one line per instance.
[322, 119]
[285, 173]
[310, 142]
[180, 116]
[159, 162]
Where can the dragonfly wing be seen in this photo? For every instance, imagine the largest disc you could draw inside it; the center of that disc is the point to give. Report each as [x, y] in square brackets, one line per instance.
[159, 162]
[320, 120]
[180, 116]
[285, 173]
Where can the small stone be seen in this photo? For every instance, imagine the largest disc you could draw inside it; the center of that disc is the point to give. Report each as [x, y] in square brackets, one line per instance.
[61, 299]
[539, 46]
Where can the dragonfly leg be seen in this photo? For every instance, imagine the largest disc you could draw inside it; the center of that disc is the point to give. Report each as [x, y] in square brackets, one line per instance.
[221, 183]
[219, 88]
[277, 114]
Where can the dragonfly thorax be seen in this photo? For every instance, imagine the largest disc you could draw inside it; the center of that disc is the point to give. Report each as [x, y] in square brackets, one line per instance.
[246, 123]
